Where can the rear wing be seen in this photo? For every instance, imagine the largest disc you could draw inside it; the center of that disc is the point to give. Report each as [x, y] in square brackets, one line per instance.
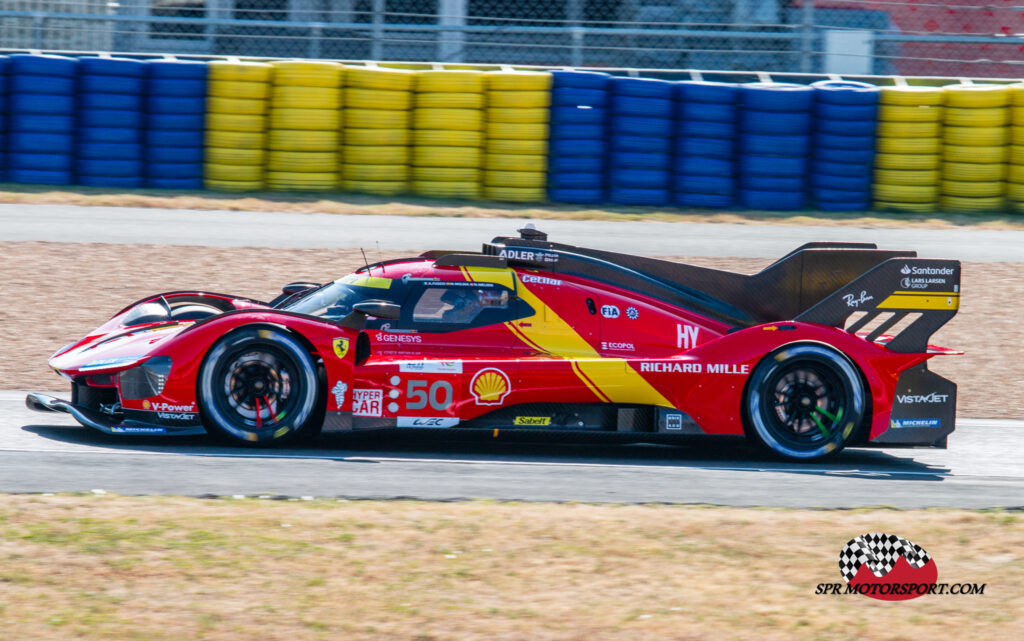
[905, 298]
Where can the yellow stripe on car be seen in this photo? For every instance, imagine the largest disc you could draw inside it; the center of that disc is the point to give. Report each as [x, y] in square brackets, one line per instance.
[921, 300]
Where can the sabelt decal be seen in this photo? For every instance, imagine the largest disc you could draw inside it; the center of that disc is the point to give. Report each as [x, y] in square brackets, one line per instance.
[532, 420]
[431, 367]
[367, 402]
[686, 336]
[427, 421]
[340, 347]
[490, 386]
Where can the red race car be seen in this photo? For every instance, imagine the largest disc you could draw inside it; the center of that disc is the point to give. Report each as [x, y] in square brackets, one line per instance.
[825, 348]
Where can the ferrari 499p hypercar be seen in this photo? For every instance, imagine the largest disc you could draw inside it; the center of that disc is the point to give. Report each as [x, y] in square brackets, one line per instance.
[825, 348]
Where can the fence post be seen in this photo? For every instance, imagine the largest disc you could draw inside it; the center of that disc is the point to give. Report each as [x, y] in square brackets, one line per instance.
[807, 36]
[451, 43]
[317, 33]
[38, 23]
[377, 32]
[576, 55]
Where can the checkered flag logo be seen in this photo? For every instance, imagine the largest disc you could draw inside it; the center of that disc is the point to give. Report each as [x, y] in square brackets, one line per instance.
[881, 552]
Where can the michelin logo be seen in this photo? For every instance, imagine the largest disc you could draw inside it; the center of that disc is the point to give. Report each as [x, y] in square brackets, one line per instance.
[898, 423]
[339, 393]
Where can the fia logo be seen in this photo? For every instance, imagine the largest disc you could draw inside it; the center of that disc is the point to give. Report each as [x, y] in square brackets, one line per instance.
[610, 311]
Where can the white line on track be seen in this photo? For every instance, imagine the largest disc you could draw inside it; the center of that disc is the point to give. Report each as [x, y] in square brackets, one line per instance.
[397, 459]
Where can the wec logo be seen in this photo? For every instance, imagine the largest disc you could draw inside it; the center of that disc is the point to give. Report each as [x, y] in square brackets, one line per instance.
[910, 399]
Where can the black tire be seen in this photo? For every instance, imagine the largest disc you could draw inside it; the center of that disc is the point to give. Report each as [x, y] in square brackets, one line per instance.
[259, 387]
[804, 402]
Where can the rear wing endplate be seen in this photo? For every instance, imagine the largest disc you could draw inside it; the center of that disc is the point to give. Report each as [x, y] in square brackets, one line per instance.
[906, 298]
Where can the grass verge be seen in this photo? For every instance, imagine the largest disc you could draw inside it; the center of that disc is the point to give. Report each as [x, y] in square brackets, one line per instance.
[337, 203]
[155, 568]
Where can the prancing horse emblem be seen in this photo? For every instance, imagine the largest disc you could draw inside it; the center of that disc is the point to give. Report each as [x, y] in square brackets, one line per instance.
[340, 347]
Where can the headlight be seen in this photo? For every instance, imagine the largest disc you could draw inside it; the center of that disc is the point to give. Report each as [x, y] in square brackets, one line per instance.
[110, 363]
[146, 380]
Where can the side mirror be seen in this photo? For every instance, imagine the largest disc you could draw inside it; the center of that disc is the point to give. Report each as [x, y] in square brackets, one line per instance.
[379, 309]
[295, 288]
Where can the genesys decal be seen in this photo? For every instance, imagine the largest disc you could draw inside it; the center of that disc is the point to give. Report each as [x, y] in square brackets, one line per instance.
[431, 367]
[490, 386]
[395, 337]
[367, 402]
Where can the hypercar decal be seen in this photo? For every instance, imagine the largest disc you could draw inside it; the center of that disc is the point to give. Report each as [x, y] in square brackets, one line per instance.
[611, 379]
[921, 300]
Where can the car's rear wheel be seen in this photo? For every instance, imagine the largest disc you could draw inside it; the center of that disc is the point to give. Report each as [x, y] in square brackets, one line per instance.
[259, 386]
[804, 402]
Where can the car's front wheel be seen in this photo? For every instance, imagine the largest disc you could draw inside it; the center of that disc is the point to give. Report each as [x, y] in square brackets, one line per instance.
[259, 386]
[804, 402]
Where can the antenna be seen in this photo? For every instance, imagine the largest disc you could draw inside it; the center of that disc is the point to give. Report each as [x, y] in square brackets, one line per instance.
[366, 263]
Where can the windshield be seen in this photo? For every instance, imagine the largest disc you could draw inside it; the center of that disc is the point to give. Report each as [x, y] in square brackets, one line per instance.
[335, 301]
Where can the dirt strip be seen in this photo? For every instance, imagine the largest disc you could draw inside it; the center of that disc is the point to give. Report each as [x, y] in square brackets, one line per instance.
[407, 205]
[54, 293]
[166, 569]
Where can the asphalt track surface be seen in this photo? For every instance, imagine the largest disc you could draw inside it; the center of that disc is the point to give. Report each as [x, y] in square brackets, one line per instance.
[65, 223]
[50, 453]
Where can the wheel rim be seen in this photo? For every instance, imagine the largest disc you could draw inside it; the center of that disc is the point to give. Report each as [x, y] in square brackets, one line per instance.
[808, 403]
[260, 389]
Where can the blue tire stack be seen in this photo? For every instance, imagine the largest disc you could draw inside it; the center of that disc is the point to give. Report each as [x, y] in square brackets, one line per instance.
[578, 142]
[42, 106]
[4, 81]
[776, 123]
[109, 140]
[704, 172]
[175, 124]
[642, 127]
[844, 145]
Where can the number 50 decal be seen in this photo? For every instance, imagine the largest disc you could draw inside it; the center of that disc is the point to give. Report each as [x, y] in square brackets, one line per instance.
[438, 395]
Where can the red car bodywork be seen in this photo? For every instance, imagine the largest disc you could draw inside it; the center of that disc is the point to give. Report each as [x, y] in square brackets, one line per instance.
[574, 342]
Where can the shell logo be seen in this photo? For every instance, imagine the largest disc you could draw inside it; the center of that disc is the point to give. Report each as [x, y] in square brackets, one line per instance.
[145, 405]
[490, 386]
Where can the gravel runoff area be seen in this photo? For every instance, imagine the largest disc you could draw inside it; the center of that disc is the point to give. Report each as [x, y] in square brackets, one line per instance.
[54, 293]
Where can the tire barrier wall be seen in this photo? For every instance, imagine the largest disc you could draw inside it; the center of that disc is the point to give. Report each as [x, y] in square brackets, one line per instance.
[522, 136]
[238, 99]
[376, 152]
[175, 124]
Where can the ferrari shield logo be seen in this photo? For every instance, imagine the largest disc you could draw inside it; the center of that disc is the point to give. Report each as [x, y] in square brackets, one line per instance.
[340, 347]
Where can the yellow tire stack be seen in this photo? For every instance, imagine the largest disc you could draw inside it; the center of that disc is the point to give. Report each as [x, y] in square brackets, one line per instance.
[236, 124]
[1015, 173]
[908, 156]
[448, 134]
[305, 125]
[516, 158]
[976, 138]
[378, 115]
